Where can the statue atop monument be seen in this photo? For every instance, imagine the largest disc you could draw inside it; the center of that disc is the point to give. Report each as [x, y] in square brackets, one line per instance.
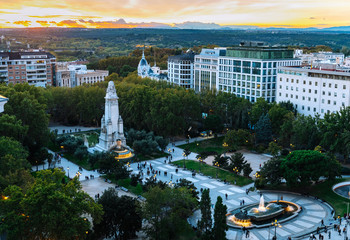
[112, 130]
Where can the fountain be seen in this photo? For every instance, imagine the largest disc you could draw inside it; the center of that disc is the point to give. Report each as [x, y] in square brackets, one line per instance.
[257, 214]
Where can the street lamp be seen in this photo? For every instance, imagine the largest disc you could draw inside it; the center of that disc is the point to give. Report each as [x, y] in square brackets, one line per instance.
[275, 224]
[217, 168]
[225, 145]
[200, 162]
[235, 170]
[184, 155]
[68, 171]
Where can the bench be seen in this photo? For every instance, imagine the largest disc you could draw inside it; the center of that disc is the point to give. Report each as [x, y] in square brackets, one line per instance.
[124, 189]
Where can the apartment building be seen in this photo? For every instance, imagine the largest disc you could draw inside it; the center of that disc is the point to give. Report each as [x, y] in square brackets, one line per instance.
[69, 74]
[206, 68]
[314, 90]
[251, 72]
[36, 68]
[181, 69]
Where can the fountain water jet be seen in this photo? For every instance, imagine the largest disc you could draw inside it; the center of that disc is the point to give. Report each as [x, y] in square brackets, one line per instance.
[261, 207]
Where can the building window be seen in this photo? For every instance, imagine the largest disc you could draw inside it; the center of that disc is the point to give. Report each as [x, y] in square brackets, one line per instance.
[315, 100]
[309, 99]
[343, 95]
[335, 85]
[296, 96]
[324, 84]
[330, 85]
[308, 108]
[322, 110]
[303, 89]
[304, 82]
[309, 90]
[344, 86]
[335, 94]
[280, 94]
[322, 101]
[315, 83]
[310, 83]
[287, 79]
[329, 94]
[297, 80]
[314, 109]
[343, 104]
[302, 107]
[286, 94]
[303, 97]
[296, 89]
[329, 101]
[334, 102]
[315, 91]
[323, 92]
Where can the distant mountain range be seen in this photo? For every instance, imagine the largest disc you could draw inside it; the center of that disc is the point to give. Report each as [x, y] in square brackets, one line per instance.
[214, 26]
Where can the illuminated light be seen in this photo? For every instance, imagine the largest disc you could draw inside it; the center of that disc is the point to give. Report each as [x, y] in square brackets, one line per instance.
[241, 222]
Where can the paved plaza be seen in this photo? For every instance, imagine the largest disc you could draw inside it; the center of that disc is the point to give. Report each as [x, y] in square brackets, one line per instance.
[309, 219]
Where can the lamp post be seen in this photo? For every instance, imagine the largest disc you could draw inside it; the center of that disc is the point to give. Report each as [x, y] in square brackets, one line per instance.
[184, 155]
[275, 224]
[217, 168]
[200, 163]
[225, 145]
[235, 170]
[68, 171]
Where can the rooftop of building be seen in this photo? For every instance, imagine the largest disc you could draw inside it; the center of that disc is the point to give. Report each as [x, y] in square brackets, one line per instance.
[188, 56]
[318, 69]
[19, 55]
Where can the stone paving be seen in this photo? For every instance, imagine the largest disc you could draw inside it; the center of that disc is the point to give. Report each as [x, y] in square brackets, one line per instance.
[308, 219]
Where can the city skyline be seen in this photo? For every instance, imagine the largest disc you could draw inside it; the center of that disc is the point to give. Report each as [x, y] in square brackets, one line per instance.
[154, 13]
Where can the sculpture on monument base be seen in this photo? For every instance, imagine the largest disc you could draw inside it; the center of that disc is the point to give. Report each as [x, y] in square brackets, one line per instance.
[112, 129]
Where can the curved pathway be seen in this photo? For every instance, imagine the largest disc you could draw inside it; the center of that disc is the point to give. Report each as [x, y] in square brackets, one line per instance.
[307, 221]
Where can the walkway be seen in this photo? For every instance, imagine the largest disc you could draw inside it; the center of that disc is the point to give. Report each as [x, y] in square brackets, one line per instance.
[308, 220]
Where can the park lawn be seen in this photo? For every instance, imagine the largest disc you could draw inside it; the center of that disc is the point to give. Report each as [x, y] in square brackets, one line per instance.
[210, 145]
[137, 190]
[84, 163]
[211, 171]
[324, 191]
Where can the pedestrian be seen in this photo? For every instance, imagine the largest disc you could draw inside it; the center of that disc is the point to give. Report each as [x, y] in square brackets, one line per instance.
[171, 176]
[226, 195]
[260, 166]
[329, 235]
[322, 223]
[243, 201]
[339, 232]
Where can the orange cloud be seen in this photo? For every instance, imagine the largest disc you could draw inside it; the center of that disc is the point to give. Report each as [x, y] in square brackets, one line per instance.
[43, 23]
[23, 23]
[70, 24]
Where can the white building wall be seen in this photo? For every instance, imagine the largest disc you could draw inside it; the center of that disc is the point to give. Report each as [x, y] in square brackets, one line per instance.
[313, 95]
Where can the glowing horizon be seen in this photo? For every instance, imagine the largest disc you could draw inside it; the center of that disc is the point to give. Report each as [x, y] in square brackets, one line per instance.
[157, 13]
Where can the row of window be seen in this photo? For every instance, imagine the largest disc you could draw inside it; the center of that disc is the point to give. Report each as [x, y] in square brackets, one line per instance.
[309, 99]
[315, 83]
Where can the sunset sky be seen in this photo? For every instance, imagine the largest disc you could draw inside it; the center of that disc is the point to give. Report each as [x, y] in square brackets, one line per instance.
[148, 13]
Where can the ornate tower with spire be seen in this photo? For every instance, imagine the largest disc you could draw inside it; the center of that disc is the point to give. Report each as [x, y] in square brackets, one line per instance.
[111, 122]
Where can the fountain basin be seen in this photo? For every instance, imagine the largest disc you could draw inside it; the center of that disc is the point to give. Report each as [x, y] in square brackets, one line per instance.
[240, 217]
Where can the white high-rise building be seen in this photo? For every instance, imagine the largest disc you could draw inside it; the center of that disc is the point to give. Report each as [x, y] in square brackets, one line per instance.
[206, 66]
[181, 70]
[251, 72]
[313, 90]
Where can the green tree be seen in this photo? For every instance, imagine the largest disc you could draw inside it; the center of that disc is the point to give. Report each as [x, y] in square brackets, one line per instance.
[274, 149]
[260, 108]
[33, 114]
[166, 211]
[235, 138]
[220, 226]
[121, 218]
[205, 223]
[11, 127]
[237, 161]
[271, 172]
[306, 132]
[49, 209]
[303, 166]
[213, 122]
[263, 129]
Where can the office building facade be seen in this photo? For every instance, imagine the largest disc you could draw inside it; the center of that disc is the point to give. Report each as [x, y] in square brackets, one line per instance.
[314, 90]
